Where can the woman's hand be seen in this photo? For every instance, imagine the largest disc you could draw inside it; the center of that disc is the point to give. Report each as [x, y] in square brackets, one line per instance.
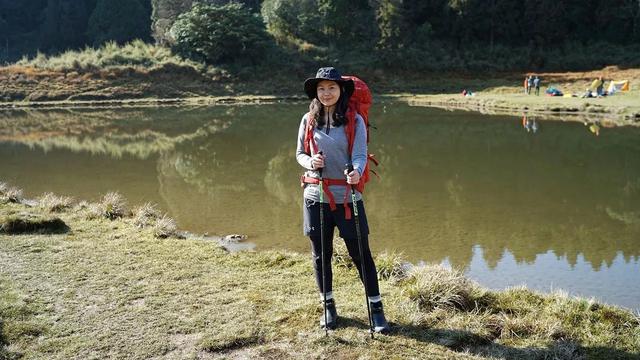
[353, 177]
[317, 161]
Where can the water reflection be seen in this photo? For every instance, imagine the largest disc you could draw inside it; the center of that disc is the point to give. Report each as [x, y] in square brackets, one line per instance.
[451, 182]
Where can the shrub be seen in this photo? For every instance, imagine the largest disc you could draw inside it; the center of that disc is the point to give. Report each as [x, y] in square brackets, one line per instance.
[220, 34]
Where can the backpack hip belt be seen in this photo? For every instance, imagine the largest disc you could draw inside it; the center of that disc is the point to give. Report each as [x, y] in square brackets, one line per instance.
[325, 188]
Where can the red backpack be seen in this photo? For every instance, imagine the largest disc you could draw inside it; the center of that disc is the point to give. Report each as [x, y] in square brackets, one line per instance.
[359, 103]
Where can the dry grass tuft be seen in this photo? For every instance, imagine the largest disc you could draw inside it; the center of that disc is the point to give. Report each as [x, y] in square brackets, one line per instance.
[165, 227]
[54, 203]
[13, 194]
[391, 265]
[3, 188]
[435, 286]
[111, 206]
[82, 205]
[94, 211]
[146, 215]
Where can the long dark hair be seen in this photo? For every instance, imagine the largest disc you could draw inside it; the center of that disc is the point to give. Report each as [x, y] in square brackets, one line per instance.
[317, 115]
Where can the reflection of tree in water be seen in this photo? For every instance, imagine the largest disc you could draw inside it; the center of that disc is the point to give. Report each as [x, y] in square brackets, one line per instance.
[243, 179]
[277, 179]
[135, 132]
[485, 183]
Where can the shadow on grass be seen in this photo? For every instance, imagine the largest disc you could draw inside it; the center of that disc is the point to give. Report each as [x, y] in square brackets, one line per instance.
[32, 225]
[470, 343]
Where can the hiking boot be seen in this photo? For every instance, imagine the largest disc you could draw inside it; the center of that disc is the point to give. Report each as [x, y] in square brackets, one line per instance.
[380, 324]
[332, 316]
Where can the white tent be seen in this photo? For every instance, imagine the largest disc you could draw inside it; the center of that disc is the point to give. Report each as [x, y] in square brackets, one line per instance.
[616, 86]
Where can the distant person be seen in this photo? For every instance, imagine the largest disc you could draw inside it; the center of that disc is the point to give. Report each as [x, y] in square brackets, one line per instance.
[597, 83]
[529, 84]
[526, 84]
[600, 87]
[536, 84]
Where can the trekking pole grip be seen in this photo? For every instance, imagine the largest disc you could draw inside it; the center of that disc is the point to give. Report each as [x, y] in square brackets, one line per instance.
[349, 168]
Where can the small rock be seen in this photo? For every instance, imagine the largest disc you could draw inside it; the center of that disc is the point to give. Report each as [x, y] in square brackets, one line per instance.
[234, 238]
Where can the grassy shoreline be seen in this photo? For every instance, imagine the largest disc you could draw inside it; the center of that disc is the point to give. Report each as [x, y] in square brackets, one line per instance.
[139, 74]
[618, 110]
[106, 283]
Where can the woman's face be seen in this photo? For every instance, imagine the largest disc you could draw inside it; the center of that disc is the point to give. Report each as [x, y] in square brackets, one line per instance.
[328, 92]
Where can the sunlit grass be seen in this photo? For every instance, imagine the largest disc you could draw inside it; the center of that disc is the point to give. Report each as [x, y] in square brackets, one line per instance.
[114, 289]
[134, 54]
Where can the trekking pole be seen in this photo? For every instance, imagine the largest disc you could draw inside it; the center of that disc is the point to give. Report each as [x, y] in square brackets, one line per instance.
[324, 277]
[349, 168]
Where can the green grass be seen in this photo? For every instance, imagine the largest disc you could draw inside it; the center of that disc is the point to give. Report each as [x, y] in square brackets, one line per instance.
[110, 289]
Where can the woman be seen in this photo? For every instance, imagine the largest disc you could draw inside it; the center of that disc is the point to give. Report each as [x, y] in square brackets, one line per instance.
[325, 155]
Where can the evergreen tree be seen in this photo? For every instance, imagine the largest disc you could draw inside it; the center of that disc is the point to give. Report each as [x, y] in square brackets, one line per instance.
[389, 16]
[119, 20]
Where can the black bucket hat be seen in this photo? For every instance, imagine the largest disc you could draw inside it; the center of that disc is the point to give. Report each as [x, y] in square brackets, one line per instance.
[327, 73]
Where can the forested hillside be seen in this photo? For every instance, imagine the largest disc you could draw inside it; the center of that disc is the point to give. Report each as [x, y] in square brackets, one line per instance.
[403, 34]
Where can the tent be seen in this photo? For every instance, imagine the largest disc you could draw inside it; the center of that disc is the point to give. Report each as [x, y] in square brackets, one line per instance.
[616, 86]
[551, 91]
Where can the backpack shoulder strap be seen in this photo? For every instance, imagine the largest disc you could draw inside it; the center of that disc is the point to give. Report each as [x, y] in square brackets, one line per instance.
[309, 142]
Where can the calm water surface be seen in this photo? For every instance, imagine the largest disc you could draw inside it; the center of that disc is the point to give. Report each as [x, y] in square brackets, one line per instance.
[558, 208]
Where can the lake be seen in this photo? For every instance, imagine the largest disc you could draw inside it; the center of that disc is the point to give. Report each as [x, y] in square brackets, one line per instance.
[554, 208]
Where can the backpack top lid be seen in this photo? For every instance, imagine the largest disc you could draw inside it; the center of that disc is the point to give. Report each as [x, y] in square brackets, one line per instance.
[359, 102]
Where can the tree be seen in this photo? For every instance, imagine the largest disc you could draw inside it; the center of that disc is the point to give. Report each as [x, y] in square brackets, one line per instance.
[120, 21]
[220, 34]
[390, 23]
[332, 23]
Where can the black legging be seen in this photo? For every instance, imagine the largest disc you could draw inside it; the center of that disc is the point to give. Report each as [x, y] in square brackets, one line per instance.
[354, 252]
